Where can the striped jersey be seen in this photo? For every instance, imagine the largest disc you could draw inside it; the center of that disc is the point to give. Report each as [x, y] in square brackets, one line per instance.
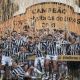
[30, 47]
[43, 46]
[9, 48]
[38, 50]
[7, 52]
[22, 57]
[19, 42]
[50, 48]
[19, 70]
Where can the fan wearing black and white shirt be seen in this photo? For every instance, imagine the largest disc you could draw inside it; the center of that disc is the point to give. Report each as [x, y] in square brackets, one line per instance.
[51, 56]
[7, 52]
[22, 54]
[39, 55]
[21, 73]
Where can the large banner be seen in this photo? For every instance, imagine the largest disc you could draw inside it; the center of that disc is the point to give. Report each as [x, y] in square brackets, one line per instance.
[51, 15]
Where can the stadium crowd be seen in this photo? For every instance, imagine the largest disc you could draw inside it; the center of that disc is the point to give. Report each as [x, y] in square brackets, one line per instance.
[44, 48]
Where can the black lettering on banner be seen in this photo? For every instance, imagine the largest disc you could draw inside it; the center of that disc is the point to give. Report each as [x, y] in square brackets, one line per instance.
[78, 21]
[54, 10]
[76, 58]
[59, 10]
[64, 11]
[50, 18]
[43, 10]
[74, 20]
[70, 19]
[33, 18]
[52, 24]
[34, 11]
[38, 11]
[59, 18]
[42, 17]
[65, 18]
[49, 10]
[37, 18]
[79, 57]
[45, 24]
